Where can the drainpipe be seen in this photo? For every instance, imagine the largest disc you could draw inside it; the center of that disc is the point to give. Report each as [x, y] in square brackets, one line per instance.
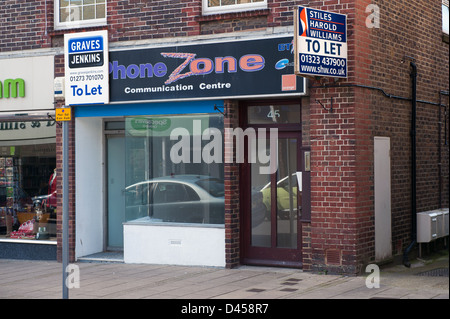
[413, 75]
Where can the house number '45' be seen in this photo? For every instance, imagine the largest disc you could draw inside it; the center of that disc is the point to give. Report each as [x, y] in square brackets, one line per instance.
[273, 114]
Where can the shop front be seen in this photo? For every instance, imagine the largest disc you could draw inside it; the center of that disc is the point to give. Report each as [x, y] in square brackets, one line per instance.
[27, 159]
[152, 166]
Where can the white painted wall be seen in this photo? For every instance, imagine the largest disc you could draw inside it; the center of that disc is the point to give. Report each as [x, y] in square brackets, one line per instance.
[174, 245]
[89, 192]
[382, 182]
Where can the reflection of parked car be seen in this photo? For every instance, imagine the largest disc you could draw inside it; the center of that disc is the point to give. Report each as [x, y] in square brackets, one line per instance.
[178, 198]
[283, 196]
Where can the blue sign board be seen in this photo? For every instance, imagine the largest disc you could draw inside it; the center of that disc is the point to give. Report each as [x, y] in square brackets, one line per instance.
[320, 43]
[86, 52]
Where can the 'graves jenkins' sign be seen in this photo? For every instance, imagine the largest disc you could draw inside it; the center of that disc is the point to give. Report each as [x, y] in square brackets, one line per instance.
[86, 68]
[320, 43]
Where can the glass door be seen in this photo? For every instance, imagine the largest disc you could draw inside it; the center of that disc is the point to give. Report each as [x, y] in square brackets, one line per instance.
[271, 205]
[116, 185]
[272, 227]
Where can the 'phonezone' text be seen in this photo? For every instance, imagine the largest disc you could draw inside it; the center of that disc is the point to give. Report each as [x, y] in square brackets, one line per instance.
[199, 66]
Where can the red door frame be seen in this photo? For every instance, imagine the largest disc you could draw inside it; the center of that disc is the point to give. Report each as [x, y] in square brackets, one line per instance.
[270, 256]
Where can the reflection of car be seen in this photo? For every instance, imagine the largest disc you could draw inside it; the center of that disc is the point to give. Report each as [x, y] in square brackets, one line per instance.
[283, 196]
[177, 198]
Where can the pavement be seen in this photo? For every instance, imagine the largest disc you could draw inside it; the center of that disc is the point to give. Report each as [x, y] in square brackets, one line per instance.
[427, 278]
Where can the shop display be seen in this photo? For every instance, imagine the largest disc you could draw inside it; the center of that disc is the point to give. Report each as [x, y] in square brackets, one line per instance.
[27, 197]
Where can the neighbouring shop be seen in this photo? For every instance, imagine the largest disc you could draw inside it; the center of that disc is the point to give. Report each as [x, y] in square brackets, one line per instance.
[28, 177]
[149, 175]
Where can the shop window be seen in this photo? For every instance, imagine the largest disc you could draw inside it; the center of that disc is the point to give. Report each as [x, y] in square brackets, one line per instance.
[79, 13]
[28, 181]
[226, 6]
[169, 174]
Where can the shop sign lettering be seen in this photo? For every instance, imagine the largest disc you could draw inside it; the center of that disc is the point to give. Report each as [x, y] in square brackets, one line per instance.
[27, 130]
[157, 124]
[9, 126]
[12, 88]
[200, 66]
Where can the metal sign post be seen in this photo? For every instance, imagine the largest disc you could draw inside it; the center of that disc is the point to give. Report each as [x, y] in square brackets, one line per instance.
[61, 115]
[65, 213]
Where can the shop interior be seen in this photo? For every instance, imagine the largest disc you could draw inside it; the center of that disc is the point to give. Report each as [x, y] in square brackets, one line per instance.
[28, 192]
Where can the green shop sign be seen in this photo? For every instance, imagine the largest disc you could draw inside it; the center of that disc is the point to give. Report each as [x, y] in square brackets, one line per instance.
[153, 124]
[163, 126]
[12, 88]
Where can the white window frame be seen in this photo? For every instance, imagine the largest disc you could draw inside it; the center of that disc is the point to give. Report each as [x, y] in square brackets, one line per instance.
[79, 23]
[232, 8]
[445, 17]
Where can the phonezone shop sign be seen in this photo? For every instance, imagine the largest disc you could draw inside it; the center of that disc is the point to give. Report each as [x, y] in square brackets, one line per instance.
[86, 68]
[259, 67]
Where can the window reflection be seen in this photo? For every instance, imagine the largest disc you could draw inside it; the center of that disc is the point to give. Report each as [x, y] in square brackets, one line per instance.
[161, 189]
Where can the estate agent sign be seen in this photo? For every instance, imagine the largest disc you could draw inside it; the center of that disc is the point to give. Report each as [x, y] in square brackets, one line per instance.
[320, 43]
[86, 68]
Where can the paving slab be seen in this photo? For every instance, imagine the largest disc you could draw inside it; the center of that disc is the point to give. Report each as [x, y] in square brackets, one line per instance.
[21, 279]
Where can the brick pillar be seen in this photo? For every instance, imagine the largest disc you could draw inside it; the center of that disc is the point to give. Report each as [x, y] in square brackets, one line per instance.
[232, 217]
[334, 216]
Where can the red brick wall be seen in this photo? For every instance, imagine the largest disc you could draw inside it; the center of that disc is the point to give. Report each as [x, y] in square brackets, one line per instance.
[342, 142]
[22, 25]
[232, 173]
[414, 31]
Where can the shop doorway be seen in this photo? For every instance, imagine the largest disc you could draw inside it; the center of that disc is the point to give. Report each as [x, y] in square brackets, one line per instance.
[115, 212]
[271, 206]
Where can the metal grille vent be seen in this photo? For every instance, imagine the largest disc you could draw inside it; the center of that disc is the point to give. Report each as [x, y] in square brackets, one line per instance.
[438, 272]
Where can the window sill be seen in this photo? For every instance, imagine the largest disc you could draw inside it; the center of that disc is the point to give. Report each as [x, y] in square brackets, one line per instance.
[28, 241]
[146, 221]
[57, 32]
[445, 37]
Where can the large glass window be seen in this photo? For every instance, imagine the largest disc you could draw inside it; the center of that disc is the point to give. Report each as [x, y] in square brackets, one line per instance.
[79, 13]
[28, 180]
[174, 169]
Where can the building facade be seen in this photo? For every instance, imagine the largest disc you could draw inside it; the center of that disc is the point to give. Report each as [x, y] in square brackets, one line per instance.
[154, 172]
